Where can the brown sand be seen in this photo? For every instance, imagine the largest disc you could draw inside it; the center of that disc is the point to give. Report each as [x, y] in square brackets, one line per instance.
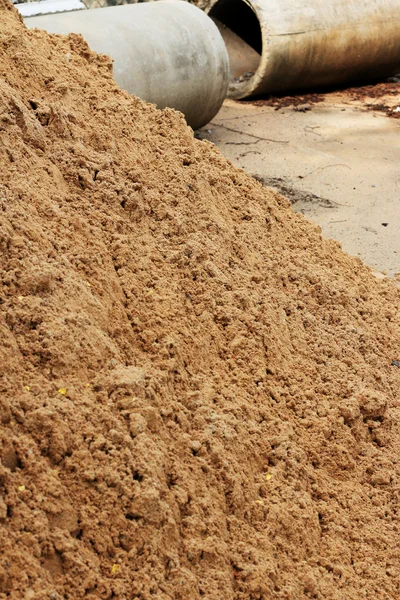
[198, 399]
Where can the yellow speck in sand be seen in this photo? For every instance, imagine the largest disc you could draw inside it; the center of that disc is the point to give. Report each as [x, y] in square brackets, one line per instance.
[62, 391]
[268, 476]
[114, 569]
[21, 488]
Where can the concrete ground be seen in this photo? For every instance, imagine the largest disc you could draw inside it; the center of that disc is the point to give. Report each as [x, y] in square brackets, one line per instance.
[336, 160]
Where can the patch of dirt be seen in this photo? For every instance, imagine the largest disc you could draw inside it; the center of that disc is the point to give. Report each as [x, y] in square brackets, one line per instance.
[377, 90]
[199, 396]
[298, 102]
[388, 92]
[294, 194]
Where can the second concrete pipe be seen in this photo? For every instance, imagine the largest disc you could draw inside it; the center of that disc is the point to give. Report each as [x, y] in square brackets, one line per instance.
[280, 45]
[169, 53]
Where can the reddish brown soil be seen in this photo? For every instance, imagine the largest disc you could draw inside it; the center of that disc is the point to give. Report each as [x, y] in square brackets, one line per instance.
[296, 101]
[387, 92]
[385, 97]
[374, 91]
[198, 399]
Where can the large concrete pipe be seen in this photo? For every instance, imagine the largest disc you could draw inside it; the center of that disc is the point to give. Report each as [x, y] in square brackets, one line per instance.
[279, 45]
[169, 53]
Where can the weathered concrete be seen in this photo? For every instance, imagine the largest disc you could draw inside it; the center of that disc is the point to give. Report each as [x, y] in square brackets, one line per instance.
[308, 43]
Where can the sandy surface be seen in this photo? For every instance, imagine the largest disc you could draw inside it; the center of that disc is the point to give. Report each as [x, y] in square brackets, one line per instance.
[199, 396]
[333, 156]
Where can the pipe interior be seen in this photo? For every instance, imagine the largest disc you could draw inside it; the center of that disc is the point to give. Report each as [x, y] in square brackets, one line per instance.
[240, 18]
[241, 30]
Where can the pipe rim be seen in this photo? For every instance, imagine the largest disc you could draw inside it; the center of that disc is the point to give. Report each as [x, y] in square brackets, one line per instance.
[238, 90]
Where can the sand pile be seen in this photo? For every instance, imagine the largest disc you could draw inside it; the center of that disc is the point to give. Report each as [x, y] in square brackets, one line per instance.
[198, 398]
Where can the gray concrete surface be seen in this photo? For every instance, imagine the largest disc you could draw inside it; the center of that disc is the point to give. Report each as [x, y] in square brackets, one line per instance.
[168, 53]
[337, 161]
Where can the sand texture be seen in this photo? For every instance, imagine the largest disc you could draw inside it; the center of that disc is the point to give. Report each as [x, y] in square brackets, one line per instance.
[197, 398]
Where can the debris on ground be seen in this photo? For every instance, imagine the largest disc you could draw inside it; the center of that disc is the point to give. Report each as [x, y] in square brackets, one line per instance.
[388, 93]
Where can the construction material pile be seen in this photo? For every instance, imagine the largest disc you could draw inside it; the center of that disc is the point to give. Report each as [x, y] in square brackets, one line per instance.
[199, 396]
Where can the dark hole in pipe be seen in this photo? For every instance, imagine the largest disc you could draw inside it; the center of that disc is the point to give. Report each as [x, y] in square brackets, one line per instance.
[241, 19]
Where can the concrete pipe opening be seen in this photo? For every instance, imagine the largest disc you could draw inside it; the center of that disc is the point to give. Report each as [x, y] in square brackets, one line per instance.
[286, 45]
[241, 30]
